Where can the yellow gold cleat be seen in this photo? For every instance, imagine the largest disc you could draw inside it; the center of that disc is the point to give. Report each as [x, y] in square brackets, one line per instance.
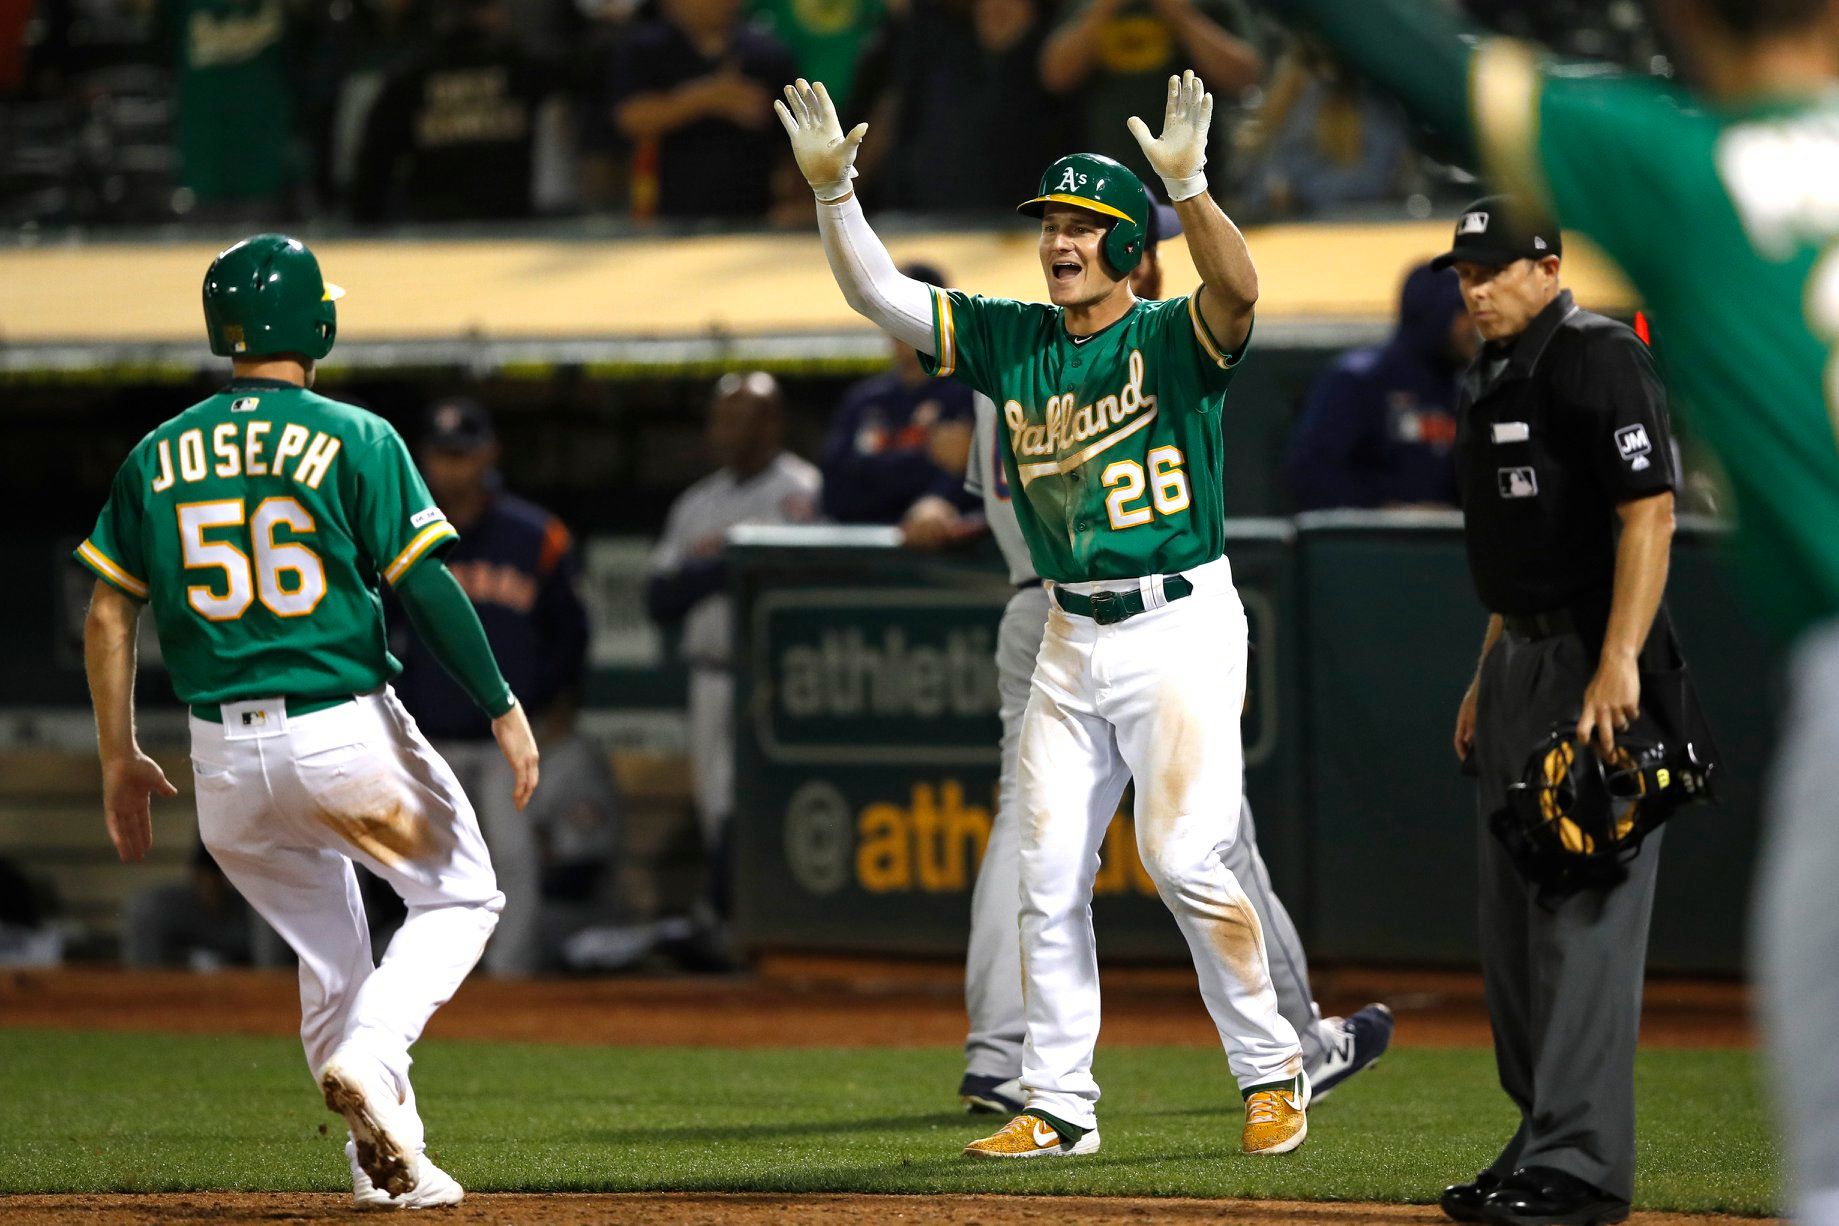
[1276, 1119]
[1030, 1136]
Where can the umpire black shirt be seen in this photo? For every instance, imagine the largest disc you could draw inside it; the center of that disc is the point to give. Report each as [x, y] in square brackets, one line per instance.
[1555, 428]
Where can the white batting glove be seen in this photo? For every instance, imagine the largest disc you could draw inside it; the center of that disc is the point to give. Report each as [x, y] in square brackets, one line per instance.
[824, 154]
[1180, 152]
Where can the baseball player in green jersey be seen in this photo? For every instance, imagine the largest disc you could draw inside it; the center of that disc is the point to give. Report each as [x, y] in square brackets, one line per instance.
[1718, 198]
[257, 523]
[1110, 419]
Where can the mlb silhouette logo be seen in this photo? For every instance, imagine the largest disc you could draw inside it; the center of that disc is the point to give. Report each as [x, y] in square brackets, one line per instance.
[254, 719]
[245, 404]
[1472, 223]
[1518, 483]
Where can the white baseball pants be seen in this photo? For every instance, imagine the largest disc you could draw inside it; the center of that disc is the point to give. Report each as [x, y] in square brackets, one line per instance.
[993, 961]
[286, 804]
[1156, 697]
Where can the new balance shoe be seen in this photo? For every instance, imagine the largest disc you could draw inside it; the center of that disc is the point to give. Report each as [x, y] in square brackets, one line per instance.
[1363, 1038]
[433, 1186]
[986, 1095]
[1030, 1136]
[1276, 1118]
[359, 1088]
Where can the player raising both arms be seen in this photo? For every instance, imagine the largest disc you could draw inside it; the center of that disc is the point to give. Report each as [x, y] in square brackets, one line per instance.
[257, 524]
[1721, 202]
[1110, 420]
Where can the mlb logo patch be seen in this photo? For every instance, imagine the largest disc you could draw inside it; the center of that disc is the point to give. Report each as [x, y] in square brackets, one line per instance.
[254, 719]
[245, 404]
[1518, 483]
[1472, 223]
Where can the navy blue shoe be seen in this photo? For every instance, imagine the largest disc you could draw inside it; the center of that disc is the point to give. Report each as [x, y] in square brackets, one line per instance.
[991, 1095]
[1363, 1040]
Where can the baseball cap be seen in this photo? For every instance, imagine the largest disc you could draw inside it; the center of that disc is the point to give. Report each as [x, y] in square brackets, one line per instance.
[1164, 221]
[1497, 230]
[459, 424]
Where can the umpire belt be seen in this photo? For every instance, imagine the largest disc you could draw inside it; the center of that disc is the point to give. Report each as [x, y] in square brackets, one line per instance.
[1109, 608]
[1545, 625]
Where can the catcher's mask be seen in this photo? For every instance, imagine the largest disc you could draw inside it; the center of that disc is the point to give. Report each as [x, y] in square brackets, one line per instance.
[1575, 818]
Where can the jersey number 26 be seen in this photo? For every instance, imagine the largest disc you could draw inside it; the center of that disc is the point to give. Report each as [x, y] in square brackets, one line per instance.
[285, 575]
[1168, 488]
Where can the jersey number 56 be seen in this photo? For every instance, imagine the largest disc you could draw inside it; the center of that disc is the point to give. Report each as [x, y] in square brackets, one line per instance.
[285, 575]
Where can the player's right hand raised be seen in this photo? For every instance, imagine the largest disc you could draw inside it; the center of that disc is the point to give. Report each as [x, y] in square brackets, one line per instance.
[518, 745]
[824, 154]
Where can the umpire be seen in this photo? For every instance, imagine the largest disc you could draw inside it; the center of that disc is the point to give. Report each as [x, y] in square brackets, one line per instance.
[1562, 439]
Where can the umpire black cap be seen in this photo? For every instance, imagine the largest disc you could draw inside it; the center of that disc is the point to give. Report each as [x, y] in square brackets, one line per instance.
[1498, 230]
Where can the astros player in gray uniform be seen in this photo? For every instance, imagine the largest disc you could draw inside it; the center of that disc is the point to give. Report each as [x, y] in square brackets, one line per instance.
[1334, 1048]
[258, 524]
[1111, 433]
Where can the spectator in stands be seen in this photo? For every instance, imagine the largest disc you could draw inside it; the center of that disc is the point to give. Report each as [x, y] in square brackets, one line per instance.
[1378, 426]
[896, 438]
[452, 133]
[234, 120]
[517, 563]
[930, 88]
[756, 482]
[825, 39]
[1323, 139]
[693, 90]
[1115, 57]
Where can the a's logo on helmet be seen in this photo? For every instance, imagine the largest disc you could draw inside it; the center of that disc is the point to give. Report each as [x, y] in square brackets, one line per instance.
[1070, 180]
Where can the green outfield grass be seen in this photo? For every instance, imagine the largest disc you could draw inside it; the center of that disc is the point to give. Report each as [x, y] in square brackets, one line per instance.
[103, 1112]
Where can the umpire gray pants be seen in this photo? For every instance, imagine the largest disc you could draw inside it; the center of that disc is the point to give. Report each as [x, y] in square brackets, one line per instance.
[993, 964]
[1563, 979]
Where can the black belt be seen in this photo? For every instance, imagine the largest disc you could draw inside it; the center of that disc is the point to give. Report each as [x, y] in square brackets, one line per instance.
[1540, 625]
[1109, 608]
[1025, 584]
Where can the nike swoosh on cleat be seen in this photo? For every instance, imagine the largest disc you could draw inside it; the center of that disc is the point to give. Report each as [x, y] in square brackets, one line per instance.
[1051, 1137]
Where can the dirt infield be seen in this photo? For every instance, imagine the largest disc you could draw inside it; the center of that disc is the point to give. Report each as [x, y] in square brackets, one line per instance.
[746, 1209]
[800, 1002]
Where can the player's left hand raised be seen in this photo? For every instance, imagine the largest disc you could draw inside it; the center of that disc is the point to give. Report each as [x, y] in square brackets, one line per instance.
[1181, 151]
[825, 156]
[127, 799]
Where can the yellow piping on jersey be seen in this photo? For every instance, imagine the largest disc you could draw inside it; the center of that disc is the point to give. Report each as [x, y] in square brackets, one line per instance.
[1200, 330]
[1084, 202]
[948, 339]
[424, 540]
[111, 570]
[1050, 468]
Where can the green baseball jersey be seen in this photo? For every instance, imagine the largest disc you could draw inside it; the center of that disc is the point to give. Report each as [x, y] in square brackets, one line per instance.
[1725, 220]
[1111, 442]
[257, 523]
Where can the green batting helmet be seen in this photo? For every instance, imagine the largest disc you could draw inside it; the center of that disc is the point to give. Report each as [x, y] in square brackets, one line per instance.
[265, 296]
[1094, 181]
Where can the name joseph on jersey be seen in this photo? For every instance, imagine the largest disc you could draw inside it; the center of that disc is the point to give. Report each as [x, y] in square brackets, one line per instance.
[243, 448]
[1065, 428]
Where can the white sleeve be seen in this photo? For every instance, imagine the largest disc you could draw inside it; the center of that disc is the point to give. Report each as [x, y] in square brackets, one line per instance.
[873, 287]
